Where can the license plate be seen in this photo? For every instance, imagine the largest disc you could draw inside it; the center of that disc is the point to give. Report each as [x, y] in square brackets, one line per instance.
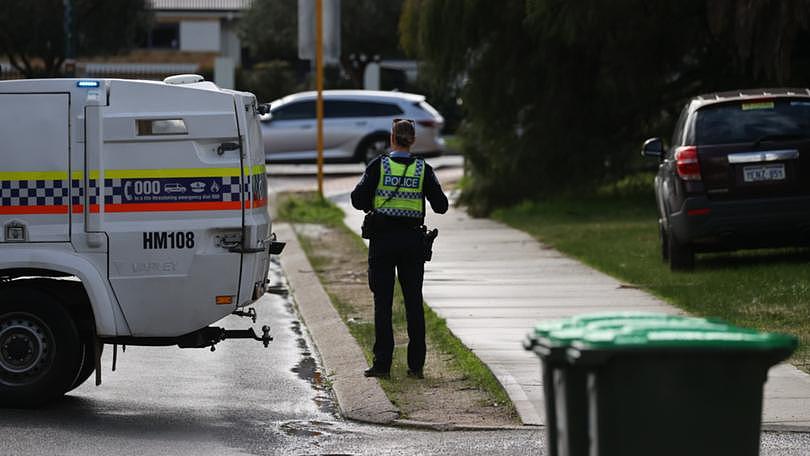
[764, 173]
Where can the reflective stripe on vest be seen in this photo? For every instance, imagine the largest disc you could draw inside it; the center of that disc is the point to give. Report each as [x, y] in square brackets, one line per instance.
[406, 201]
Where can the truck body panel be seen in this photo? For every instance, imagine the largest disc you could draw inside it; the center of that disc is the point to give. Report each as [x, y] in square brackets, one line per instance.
[153, 208]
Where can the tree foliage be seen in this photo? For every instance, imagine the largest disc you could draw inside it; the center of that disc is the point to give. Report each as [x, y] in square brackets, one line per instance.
[32, 32]
[269, 80]
[558, 94]
[269, 30]
[368, 27]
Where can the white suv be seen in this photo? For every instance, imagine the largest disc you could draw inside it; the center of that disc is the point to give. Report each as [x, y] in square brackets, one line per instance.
[357, 125]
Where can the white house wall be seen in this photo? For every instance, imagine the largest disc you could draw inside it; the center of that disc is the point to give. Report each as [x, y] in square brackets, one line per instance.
[200, 36]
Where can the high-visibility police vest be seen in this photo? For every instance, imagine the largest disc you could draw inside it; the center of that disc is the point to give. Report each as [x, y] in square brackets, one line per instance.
[406, 201]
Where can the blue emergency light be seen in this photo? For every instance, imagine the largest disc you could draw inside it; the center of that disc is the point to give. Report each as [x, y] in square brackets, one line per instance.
[87, 84]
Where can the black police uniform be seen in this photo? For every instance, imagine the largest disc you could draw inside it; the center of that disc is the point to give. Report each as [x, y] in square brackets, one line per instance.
[397, 244]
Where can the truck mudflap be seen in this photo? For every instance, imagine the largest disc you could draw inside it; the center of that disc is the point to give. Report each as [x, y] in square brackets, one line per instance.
[276, 247]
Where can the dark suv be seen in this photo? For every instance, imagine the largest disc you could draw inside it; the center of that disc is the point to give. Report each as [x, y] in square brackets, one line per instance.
[736, 174]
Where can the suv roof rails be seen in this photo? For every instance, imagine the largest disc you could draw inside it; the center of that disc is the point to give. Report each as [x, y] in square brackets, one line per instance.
[750, 93]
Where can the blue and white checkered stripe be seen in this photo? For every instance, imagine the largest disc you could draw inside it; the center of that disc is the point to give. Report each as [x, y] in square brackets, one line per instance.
[400, 195]
[70, 192]
[66, 192]
[40, 192]
[420, 167]
[399, 212]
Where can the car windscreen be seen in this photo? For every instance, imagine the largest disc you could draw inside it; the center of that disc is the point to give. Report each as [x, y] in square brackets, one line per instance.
[300, 110]
[748, 121]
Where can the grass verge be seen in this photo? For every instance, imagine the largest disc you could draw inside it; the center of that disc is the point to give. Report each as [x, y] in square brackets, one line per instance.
[335, 259]
[616, 232]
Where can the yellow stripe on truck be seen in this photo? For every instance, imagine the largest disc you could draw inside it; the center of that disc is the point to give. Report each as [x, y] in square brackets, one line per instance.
[132, 173]
[158, 173]
[36, 175]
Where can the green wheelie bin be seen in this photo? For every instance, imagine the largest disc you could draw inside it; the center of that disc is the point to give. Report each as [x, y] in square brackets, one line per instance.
[675, 390]
[564, 384]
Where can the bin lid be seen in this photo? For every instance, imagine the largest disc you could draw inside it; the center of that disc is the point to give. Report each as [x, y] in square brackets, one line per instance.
[685, 335]
[543, 328]
[567, 336]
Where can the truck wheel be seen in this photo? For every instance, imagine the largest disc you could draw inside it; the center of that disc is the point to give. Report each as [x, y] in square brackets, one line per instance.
[372, 147]
[664, 238]
[88, 364]
[40, 349]
[681, 256]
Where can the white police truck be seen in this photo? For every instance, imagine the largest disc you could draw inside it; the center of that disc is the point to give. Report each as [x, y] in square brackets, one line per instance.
[132, 213]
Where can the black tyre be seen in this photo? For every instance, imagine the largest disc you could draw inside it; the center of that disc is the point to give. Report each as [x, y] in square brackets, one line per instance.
[681, 256]
[664, 238]
[40, 349]
[88, 364]
[371, 147]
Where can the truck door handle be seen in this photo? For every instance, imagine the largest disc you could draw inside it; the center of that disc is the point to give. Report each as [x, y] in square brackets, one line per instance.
[224, 147]
[228, 241]
[306, 127]
[234, 244]
[230, 245]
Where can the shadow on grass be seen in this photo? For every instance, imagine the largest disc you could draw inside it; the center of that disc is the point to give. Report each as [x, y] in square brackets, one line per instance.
[741, 259]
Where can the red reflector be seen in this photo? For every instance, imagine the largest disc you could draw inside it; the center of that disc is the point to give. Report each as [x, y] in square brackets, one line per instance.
[427, 123]
[686, 161]
[704, 211]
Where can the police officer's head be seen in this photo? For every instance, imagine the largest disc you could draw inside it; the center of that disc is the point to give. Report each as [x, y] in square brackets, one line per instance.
[403, 133]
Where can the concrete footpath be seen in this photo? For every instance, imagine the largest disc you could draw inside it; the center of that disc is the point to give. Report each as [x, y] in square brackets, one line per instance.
[492, 283]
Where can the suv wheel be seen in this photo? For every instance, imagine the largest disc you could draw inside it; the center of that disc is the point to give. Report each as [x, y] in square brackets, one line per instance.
[40, 349]
[681, 256]
[372, 147]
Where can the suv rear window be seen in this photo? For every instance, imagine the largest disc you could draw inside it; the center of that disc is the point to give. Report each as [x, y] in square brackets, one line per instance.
[747, 121]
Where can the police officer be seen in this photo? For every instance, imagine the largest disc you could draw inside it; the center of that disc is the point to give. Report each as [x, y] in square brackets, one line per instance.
[396, 186]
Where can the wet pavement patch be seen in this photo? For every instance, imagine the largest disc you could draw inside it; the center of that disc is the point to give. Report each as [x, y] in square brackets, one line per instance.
[295, 326]
[311, 428]
[308, 369]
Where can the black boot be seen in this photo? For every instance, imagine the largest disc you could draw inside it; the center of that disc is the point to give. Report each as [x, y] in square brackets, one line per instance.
[417, 374]
[374, 371]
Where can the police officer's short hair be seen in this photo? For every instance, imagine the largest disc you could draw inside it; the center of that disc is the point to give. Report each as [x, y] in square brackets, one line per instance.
[404, 132]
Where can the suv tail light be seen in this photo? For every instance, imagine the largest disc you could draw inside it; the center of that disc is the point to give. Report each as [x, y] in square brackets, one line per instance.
[427, 123]
[686, 160]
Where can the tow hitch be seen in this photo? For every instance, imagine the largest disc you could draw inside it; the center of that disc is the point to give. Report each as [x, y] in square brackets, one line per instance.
[265, 338]
[212, 335]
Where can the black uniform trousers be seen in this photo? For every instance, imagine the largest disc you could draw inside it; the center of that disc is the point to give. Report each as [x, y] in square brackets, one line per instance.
[401, 249]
